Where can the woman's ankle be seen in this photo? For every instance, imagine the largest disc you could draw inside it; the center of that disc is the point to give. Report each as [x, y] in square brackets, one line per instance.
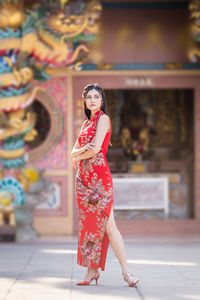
[91, 270]
[124, 271]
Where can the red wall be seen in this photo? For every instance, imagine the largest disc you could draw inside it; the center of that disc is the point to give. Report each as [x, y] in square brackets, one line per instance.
[153, 35]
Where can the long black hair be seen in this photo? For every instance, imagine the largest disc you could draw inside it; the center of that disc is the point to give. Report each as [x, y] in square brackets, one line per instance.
[96, 87]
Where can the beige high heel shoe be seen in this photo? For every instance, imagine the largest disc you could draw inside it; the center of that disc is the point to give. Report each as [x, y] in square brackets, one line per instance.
[130, 279]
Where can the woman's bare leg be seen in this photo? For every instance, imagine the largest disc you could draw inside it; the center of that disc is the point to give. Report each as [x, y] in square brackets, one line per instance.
[117, 245]
[116, 242]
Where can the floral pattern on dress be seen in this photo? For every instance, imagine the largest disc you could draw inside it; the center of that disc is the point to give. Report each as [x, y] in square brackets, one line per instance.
[94, 193]
[90, 249]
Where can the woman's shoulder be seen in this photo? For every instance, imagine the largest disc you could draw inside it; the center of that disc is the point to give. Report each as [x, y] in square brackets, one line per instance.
[104, 116]
[105, 121]
[84, 123]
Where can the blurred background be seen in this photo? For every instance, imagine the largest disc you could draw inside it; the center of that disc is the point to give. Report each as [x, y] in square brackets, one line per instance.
[145, 55]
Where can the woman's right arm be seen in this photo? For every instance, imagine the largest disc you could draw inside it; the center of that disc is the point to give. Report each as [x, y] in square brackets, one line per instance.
[77, 149]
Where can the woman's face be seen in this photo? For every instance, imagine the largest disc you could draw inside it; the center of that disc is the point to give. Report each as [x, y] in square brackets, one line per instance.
[93, 100]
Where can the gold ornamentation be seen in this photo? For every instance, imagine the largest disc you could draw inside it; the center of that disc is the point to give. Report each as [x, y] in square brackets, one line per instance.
[18, 102]
[194, 52]
[11, 14]
[6, 209]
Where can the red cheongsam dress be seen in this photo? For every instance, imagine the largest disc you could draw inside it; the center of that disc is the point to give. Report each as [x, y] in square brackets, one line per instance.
[94, 194]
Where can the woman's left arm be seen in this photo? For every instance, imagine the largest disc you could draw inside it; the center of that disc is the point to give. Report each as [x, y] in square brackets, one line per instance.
[103, 126]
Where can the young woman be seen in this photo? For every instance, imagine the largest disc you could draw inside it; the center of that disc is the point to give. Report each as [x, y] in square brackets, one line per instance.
[94, 191]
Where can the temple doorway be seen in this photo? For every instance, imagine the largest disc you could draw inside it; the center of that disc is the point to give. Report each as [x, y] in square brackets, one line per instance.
[153, 137]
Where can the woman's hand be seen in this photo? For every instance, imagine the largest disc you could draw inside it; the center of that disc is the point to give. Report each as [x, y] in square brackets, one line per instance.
[90, 146]
[84, 154]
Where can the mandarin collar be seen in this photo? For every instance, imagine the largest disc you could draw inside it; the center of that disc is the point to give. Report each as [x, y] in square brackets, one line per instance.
[95, 114]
